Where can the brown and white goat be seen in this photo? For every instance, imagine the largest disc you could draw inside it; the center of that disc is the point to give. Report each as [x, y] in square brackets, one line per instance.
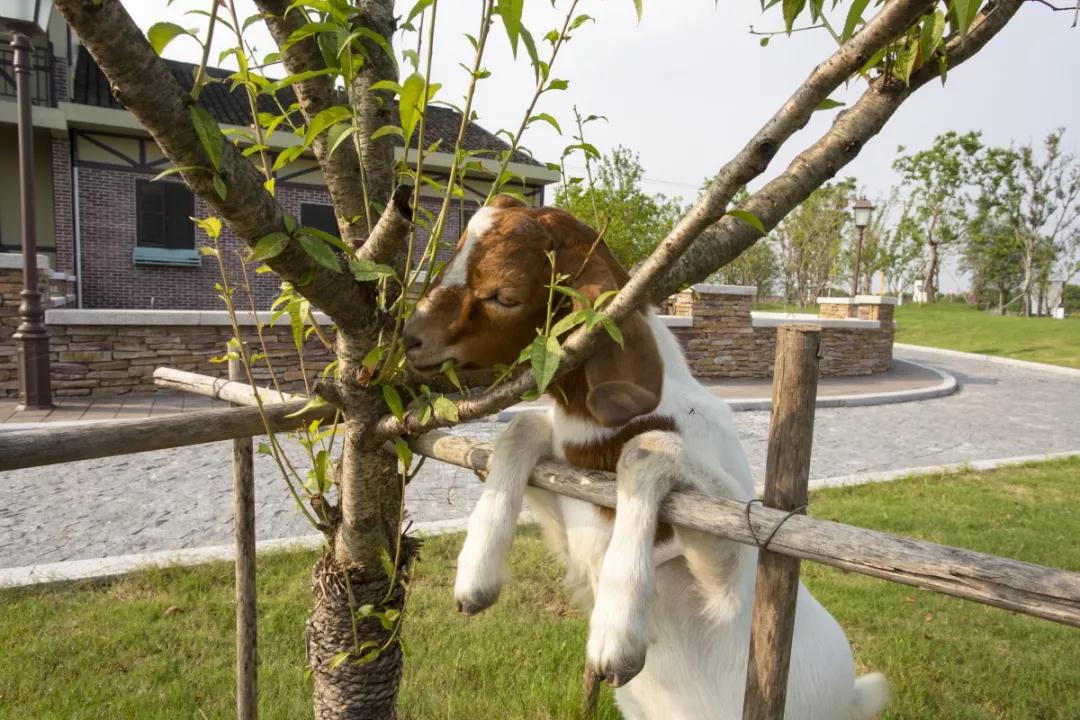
[670, 623]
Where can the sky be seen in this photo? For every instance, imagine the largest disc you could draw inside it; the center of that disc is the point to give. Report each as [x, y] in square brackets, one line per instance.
[689, 85]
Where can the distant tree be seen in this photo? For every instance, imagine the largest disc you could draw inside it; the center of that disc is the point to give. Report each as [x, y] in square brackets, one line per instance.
[809, 240]
[633, 219]
[937, 181]
[758, 266]
[994, 257]
[1039, 200]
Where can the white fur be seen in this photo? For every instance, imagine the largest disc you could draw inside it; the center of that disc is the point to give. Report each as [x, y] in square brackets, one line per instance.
[457, 273]
[683, 609]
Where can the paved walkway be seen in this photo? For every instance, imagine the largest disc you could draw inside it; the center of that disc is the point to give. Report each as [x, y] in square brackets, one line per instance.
[180, 498]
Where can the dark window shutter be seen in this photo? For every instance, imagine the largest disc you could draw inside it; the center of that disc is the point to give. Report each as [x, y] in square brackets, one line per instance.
[150, 206]
[320, 217]
[179, 229]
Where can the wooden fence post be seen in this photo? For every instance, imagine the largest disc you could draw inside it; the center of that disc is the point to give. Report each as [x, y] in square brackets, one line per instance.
[247, 694]
[787, 470]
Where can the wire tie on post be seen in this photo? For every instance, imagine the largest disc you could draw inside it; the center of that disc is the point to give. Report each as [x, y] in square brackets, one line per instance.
[776, 528]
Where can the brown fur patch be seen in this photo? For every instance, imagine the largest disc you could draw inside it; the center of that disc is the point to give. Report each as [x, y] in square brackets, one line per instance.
[604, 455]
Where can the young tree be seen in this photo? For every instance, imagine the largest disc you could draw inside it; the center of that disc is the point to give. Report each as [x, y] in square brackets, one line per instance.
[340, 63]
[1039, 199]
[994, 257]
[937, 181]
[633, 220]
[809, 240]
[757, 266]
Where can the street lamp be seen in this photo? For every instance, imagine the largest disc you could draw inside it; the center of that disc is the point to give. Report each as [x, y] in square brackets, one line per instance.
[25, 18]
[861, 209]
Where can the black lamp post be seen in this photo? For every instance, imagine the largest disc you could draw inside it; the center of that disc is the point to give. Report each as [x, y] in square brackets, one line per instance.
[861, 209]
[24, 18]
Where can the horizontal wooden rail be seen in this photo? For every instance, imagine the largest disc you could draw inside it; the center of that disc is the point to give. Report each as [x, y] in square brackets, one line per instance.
[48, 446]
[1030, 589]
[235, 392]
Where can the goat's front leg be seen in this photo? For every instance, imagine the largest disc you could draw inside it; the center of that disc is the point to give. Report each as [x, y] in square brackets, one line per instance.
[482, 564]
[649, 467]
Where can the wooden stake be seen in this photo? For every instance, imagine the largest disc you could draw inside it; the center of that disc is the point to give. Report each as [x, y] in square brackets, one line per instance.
[787, 471]
[244, 524]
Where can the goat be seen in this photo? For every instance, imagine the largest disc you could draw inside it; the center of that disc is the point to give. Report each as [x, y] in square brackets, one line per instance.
[670, 607]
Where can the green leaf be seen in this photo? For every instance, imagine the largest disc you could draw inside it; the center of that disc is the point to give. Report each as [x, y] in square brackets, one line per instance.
[544, 356]
[580, 20]
[312, 403]
[337, 660]
[749, 218]
[964, 11]
[162, 33]
[853, 17]
[792, 8]
[306, 31]
[210, 137]
[219, 187]
[289, 80]
[612, 329]
[411, 103]
[763, 41]
[326, 238]
[320, 252]
[367, 270]
[530, 48]
[930, 34]
[829, 104]
[269, 246]
[342, 137]
[418, 8]
[177, 169]
[445, 408]
[567, 323]
[557, 84]
[637, 9]
[324, 120]
[388, 130]
[404, 452]
[211, 226]
[393, 401]
[548, 119]
[510, 12]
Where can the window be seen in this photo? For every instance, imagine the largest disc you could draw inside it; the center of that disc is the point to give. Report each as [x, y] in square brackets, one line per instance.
[320, 217]
[165, 234]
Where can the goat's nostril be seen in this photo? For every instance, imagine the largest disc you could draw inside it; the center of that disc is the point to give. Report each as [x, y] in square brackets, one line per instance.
[411, 341]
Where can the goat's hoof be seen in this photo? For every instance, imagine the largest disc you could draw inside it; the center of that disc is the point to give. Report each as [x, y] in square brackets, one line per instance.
[617, 675]
[477, 603]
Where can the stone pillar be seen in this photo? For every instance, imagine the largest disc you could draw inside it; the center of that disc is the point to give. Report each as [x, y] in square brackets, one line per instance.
[835, 308]
[721, 341]
[880, 308]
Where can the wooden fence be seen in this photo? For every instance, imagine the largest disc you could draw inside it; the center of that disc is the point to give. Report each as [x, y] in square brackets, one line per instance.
[777, 523]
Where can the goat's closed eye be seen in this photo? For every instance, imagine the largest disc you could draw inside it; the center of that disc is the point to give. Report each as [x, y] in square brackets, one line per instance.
[502, 300]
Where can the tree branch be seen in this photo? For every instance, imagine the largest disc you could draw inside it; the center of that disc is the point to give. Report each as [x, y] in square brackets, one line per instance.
[342, 171]
[750, 162]
[147, 88]
[853, 129]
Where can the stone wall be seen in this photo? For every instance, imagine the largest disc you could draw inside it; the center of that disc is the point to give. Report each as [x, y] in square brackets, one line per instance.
[726, 339]
[57, 289]
[113, 353]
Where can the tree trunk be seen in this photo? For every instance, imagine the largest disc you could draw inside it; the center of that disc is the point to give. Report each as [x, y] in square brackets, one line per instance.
[931, 273]
[367, 691]
[1001, 301]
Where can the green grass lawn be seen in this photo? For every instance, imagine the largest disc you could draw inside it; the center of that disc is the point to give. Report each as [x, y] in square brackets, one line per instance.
[159, 644]
[958, 326]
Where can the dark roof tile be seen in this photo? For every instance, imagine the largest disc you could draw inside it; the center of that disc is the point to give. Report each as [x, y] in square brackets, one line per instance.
[231, 107]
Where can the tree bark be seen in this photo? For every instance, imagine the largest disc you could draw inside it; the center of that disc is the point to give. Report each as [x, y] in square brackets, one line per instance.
[366, 691]
[931, 273]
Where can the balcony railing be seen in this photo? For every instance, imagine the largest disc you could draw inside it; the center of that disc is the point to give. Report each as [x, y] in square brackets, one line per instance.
[42, 79]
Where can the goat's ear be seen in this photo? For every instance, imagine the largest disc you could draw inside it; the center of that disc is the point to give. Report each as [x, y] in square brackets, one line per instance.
[506, 201]
[623, 382]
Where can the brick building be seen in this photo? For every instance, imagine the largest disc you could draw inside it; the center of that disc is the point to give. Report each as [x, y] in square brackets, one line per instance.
[127, 239]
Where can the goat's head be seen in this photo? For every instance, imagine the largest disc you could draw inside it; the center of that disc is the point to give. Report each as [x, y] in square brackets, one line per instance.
[486, 305]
